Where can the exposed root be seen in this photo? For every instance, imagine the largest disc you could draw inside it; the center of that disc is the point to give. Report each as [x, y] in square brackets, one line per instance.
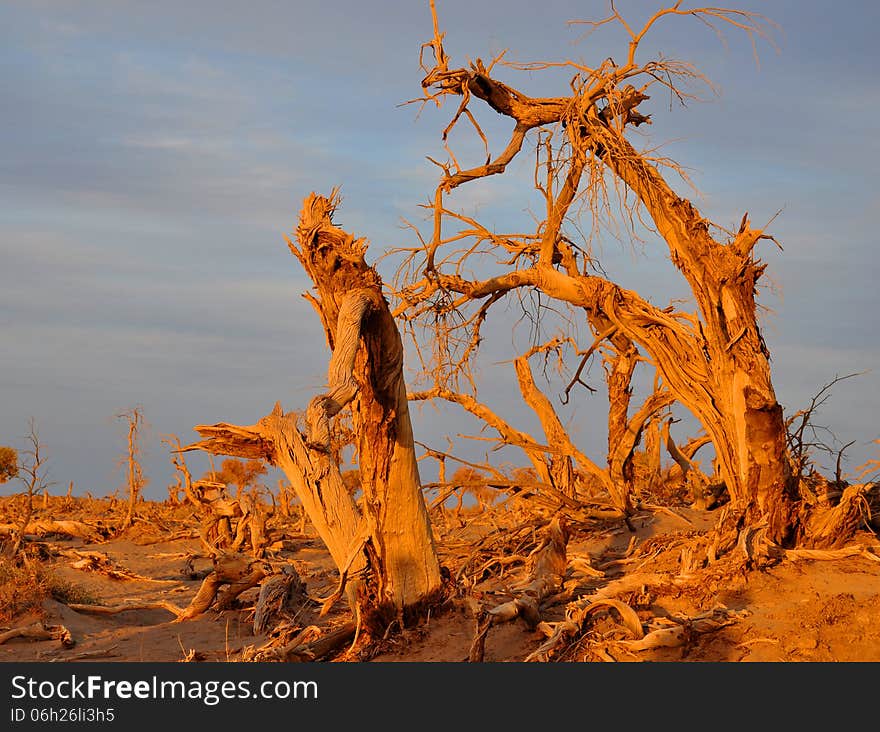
[306, 645]
[828, 527]
[546, 573]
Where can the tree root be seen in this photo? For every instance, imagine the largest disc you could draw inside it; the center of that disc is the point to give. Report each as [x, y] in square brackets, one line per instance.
[828, 527]
[663, 632]
[547, 569]
[306, 645]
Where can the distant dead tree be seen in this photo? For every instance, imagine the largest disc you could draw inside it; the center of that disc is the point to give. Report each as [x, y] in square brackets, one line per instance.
[135, 480]
[384, 549]
[227, 524]
[713, 361]
[31, 471]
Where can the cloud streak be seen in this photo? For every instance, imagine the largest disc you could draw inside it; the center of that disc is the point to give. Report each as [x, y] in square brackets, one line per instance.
[153, 154]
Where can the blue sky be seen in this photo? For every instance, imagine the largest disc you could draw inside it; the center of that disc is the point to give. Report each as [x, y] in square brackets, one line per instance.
[153, 154]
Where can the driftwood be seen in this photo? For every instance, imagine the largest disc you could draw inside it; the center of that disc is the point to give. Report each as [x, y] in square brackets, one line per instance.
[308, 645]
[238, 571]
[46, 527]
[40, 631]
[90, 561]
[282, 597]
[846, 552]
[85, 655]
[126, 607]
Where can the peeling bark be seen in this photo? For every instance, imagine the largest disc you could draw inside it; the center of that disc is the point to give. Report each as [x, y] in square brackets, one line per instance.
[354, 311]
[384, 549]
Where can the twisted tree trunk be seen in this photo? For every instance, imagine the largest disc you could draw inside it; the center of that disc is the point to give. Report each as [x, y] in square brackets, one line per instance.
[384, 549]
[367, 371]
[735, 402]
[716, 363]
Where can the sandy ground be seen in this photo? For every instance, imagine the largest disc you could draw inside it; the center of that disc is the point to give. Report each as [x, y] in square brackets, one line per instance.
[802, 610]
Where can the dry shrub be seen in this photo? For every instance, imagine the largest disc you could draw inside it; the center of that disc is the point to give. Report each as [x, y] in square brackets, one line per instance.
[8, 463]
[473, 482]
[26, 583]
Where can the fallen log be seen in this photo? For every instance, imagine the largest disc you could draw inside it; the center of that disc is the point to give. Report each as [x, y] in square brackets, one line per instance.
[239, 571]
[45, 527]
[40, 631]
[301, 650]
[125, 607]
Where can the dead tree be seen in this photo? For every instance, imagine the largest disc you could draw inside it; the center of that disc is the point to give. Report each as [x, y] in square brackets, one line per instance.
[135, 476]
[563, 470]
[383, 549]
[30, 470]
[554, 463]
[713, 361]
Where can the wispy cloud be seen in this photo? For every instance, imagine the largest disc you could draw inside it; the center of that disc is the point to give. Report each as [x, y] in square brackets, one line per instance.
[154, 153]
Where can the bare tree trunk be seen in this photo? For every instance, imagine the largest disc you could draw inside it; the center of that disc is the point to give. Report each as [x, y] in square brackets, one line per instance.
[393, 498]
[560, 467]
[618, 377]
[135, 475]
[385, 549]
[367, 371]
[736, 402]
[652, 453]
